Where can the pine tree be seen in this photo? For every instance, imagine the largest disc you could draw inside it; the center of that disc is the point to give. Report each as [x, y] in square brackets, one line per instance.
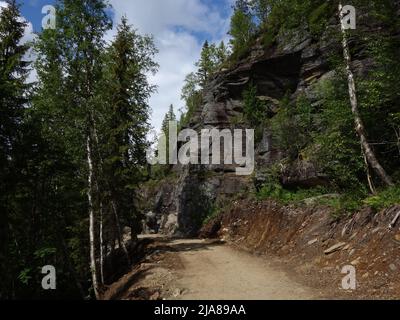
[125, 93]
[242, 26]
[192, 96]
[169, 116]
[13, 74]
[206, 64]
[13, 99]
[221, 54]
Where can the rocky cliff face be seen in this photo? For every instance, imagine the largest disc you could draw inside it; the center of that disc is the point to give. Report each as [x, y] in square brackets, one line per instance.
[294, 65]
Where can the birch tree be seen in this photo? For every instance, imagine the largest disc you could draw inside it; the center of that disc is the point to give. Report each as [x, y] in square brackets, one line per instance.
[77, 44]
[368, 152]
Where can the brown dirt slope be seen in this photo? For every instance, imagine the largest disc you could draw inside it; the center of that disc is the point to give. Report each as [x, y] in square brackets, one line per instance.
[316, 246]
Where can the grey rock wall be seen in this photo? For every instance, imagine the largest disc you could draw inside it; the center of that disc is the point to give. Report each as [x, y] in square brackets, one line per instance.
[295, 65]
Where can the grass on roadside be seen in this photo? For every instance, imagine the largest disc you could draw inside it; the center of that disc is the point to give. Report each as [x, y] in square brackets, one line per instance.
[344, 203]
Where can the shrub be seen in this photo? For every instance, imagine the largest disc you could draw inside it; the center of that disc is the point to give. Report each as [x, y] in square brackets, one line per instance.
[293, 126]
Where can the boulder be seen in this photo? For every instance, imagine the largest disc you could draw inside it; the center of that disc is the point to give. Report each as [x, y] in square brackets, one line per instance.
[302, 174]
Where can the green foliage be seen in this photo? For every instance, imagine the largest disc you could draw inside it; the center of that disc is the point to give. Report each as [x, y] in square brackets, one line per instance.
[380, 99]
[84, 89]
[344, 205]
[124, 94]
[319, 17]
[212, 59]
[341, 204]
[254, 110]
[206, 64]
[272, 17]
[262, 9]
[221, 54]
[339, 151]
[24, 277]
[13, 89]
[213, 213]
[169, 117]
[268, 38]
[193, 98]
[273, 189]
[67, 109]
[277, 192]
[22, 228]
[384, 199]
[217, 209]
[294, 126]
[44, 252]
[348, 203]
[242, 27]
[286, 15]
[323, 132]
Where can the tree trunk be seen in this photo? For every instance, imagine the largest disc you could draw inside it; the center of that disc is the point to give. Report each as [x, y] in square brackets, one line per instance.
[359, 125]
[397, 133]
[91, 177]
[113, 203]
[101, 244]
[369, 177]
[120, 239]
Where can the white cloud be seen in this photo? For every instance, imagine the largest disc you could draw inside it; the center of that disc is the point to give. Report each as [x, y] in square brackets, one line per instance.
[178, 27]
[155, 16]
[176, 58]
[174, 24]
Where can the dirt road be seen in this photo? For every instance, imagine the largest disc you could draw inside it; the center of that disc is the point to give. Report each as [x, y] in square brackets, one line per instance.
[200, 270]
[219, 272]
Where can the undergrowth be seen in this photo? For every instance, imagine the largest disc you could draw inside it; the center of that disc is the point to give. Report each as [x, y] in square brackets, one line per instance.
[345, 203]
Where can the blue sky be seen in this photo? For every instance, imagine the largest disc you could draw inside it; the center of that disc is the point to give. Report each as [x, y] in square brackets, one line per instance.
[32, 11]
[179, 27]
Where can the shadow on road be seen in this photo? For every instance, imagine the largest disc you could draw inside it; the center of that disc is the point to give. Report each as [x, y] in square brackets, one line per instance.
[180, 245]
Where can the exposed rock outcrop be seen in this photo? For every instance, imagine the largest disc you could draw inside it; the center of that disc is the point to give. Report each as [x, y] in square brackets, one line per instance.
[294, 65]
[302, 174]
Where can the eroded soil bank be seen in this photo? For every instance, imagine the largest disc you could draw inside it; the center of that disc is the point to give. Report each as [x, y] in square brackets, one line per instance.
[315, 246]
